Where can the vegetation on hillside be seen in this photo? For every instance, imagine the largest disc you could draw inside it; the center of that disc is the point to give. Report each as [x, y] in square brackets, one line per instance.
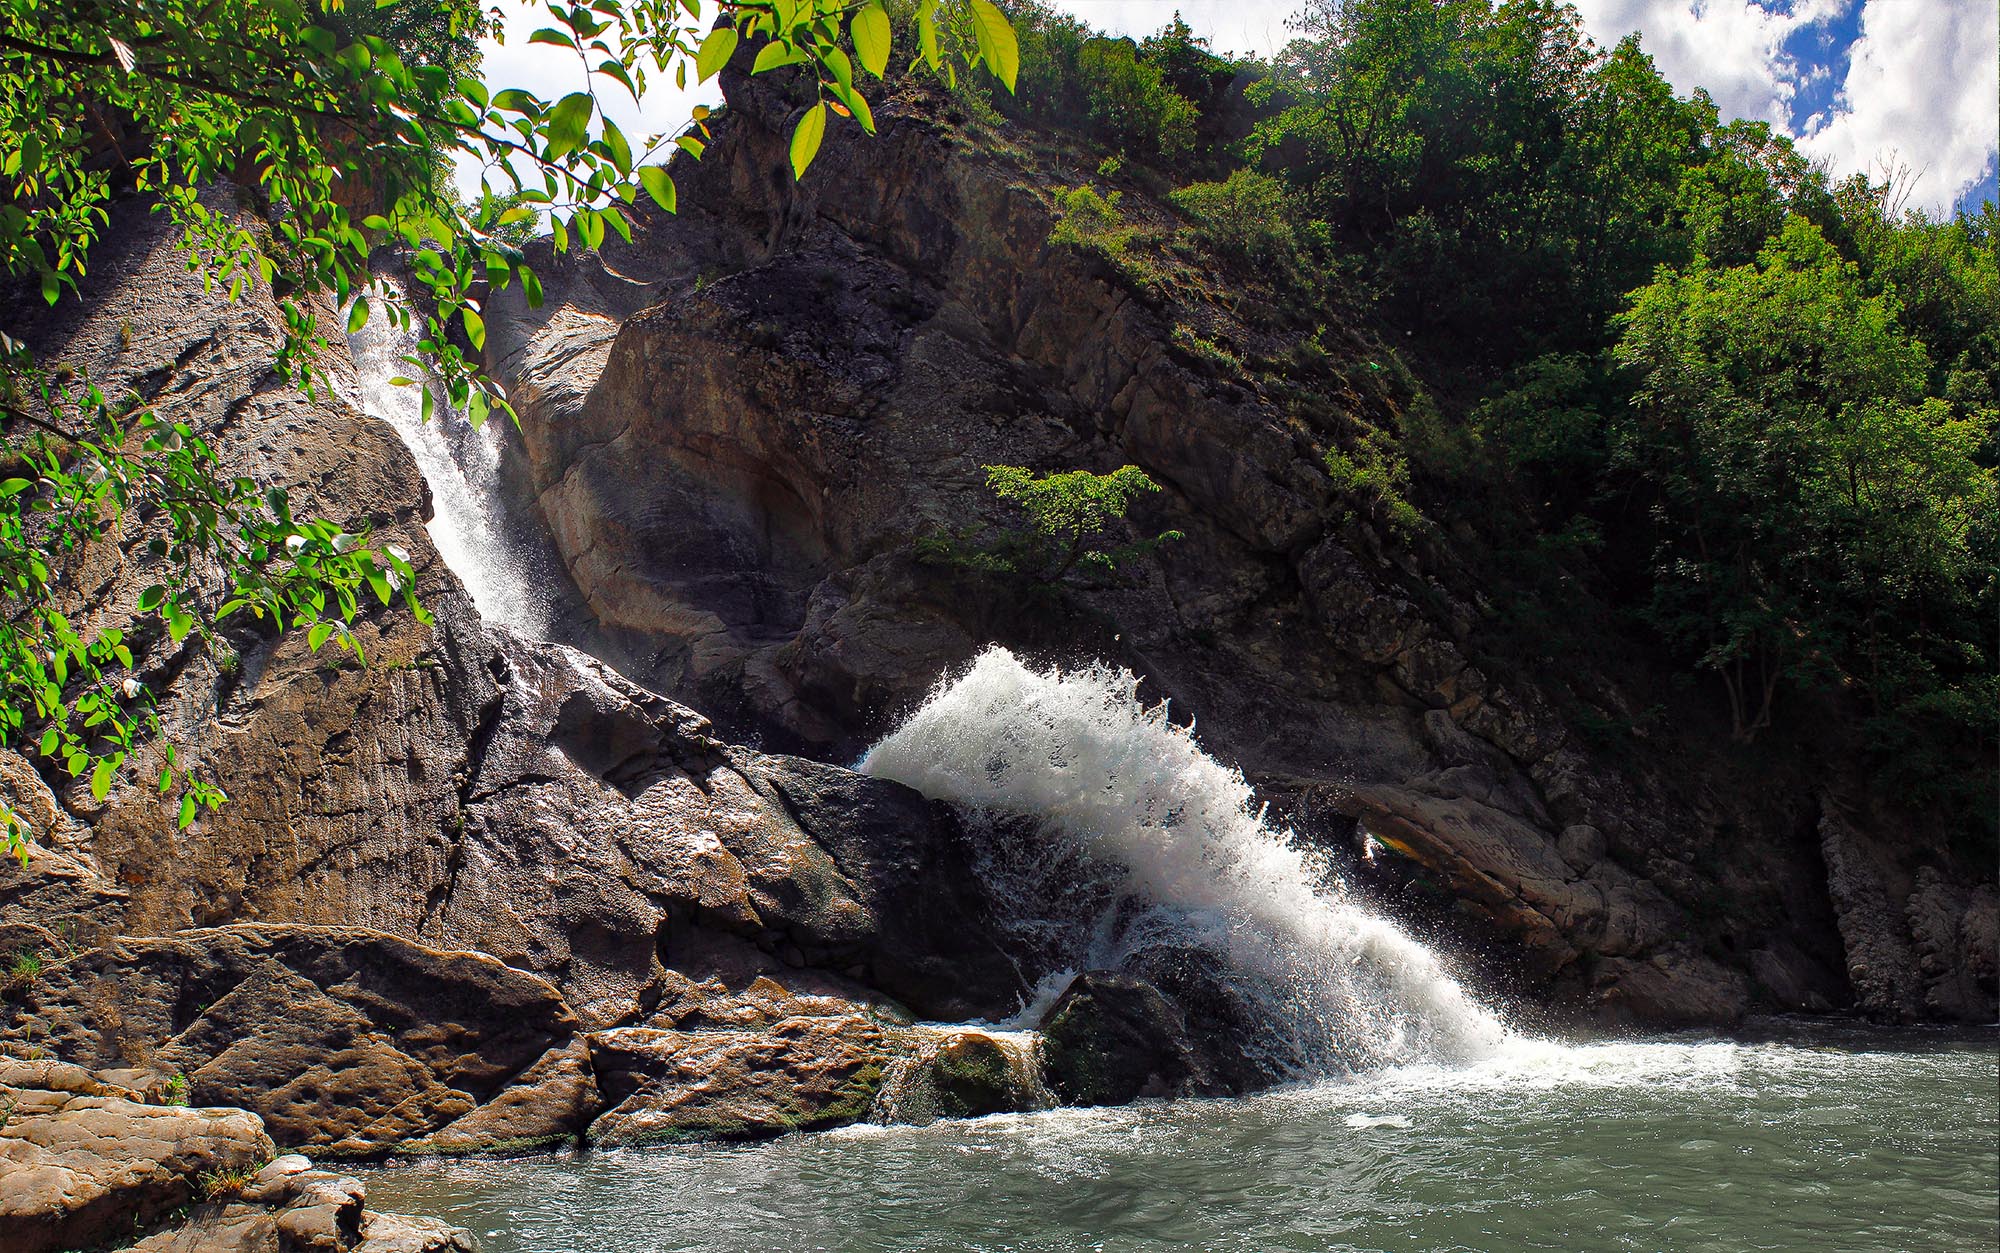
[1665, 375]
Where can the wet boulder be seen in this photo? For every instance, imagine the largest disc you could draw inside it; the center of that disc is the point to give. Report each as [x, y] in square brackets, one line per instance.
[1233, 1043]
[975, 1075]
[1113, 1038]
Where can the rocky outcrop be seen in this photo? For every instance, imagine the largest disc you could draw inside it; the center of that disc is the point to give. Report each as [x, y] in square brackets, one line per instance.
[607, 834]
[87, 1162]
[463, 791]
[344, 1041]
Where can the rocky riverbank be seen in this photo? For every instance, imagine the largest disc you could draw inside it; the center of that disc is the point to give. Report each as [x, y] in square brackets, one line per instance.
[109, 1159]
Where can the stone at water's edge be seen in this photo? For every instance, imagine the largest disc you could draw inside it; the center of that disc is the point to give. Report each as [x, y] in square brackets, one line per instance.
[974, 1076]
[346, 1041]
[83, 1162]
[1112, 1038]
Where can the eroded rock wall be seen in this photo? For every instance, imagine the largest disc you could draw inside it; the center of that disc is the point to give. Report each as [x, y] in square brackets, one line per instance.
[739, 426]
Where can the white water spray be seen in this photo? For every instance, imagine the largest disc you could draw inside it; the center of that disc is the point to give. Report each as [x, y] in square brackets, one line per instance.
[462, 466]
[1107, 776]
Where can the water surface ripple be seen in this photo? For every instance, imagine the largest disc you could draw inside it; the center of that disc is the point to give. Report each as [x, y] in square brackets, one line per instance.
[1820, 1137]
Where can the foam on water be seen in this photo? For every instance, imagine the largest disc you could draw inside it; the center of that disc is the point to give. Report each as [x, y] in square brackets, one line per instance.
[1105, 775]
[462, 467]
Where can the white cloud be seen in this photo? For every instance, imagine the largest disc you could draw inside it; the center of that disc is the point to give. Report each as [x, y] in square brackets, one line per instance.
[1921, 91]
[1733, 48]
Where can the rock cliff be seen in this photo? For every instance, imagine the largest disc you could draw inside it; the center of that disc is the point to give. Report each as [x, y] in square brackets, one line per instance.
[737, 427]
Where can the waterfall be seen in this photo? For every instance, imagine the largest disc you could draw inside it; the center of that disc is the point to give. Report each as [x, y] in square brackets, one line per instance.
[462, 467]
[1112, 790]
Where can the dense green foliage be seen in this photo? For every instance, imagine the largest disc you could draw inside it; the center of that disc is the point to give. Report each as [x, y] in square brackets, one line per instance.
[335, 120]
[1674, 379]
[1144, 100]
[1072, 517]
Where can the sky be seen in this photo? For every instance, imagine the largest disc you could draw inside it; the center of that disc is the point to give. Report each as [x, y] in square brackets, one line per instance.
[1869, 85]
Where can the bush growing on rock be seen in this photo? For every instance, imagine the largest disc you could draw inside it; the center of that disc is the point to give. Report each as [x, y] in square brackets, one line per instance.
[1242, 217]
[1069, 514]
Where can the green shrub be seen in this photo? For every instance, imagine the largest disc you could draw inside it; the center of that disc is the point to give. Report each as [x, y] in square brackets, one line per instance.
[1376, 471]
[1091, 222]
[1129, 104]
[1071, 515]
[1109, 90]
[1243, 217]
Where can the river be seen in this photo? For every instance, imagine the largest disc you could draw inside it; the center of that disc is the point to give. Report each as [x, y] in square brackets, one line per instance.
[1815, 1136]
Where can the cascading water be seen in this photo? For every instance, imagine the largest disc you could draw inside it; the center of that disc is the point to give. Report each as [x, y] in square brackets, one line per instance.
[1110, 785]
[462, 466]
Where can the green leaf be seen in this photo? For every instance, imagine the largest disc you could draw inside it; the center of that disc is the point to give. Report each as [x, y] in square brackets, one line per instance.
[317, 636]
[548, 36]
[514, 100]
[621, 151]
[357, 316]
[187, 810]
[658, 186]
[475, 327]
[806, 139]
[856, 106]
[774, 55]
[927, 40]
[871, 39]
[569, 123]
[100, 778]
[715, 53]
[997, 45]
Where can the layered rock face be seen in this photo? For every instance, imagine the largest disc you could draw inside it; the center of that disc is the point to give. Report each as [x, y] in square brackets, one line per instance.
[738, 426]
[449, 874]
[90, 1161]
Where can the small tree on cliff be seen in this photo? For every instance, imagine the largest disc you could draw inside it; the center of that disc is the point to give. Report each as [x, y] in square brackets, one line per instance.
[1071, 517]
[302, 102]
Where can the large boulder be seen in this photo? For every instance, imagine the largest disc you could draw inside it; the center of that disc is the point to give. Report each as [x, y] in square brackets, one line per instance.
[608, 836]
[348, 1041]
[722, 1065]
[1113, 1038]
[83, 1163]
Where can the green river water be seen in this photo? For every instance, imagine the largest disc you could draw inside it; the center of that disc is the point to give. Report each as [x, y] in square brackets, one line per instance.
[1815, 1137]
